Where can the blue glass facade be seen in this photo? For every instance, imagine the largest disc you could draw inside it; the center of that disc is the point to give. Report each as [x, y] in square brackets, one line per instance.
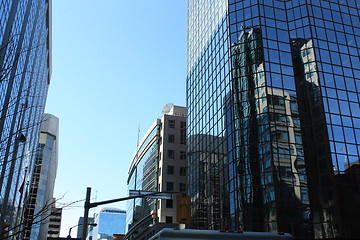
[109, 221]
[41, 199]
[277, 83]
[25, 68]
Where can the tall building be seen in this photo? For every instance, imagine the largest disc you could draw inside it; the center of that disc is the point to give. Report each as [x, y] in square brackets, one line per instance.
[80, 226]
[275, 85]
[158, 165]
[25, 69]
[54, 221]
[41, 199]
[109, 221]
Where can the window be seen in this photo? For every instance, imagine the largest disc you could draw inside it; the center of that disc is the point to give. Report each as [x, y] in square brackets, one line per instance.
[171, 123]
[183, 136]
[277, 100]
[182, 187]
[170, 169]
[171, 138]
[183, 125]
[169, 203]
[169, 186]
[280, 136]
[55, 220]
[168, 219]
[182, 171]
[171, 153]
[182, 155]
[304, 194]
[298, 138]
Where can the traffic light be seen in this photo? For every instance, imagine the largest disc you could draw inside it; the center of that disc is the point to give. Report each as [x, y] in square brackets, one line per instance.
[183, 208]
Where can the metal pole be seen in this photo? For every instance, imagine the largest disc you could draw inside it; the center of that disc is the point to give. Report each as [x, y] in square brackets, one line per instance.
[69, 236]
[86, 213]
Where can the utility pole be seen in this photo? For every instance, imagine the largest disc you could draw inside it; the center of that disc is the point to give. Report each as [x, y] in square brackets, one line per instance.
[86, 213]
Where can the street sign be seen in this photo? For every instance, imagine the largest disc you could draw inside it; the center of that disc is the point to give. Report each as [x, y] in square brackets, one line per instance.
[149, 194]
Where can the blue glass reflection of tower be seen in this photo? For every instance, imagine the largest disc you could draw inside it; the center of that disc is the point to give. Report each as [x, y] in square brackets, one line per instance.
[25, 69]
[278, 82]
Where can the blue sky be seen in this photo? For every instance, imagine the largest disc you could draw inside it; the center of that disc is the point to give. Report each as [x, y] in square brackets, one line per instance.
[116, 63]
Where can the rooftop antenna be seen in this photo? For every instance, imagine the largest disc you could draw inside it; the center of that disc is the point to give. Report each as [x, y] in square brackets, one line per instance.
[96, 192]
[138, 138]
[137, 144]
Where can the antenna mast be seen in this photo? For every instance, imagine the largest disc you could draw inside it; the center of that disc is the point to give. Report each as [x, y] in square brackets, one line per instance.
[138, 139]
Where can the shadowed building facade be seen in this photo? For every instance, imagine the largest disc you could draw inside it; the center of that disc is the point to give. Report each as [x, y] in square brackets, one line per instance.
[25, 69]
[276, 86]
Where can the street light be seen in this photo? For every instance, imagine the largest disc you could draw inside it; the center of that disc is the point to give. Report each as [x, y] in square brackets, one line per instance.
[89, 224]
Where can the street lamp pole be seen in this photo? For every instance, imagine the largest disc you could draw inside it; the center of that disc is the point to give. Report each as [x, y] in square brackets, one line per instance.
[90, 224]
[69, 236]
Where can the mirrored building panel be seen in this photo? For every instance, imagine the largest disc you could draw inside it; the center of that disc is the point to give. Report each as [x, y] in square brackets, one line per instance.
[277, 82]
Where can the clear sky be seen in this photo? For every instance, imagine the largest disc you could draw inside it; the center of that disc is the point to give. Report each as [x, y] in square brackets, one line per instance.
[116, 63]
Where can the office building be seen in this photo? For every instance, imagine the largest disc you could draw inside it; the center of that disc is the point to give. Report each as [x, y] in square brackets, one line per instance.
[158, 165]
[54, 223]
[109, 221]
[41, 199]
[81, 226]
[276, 85]
[25, 69]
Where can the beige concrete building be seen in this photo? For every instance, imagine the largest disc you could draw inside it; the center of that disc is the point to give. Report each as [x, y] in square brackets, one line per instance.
[159, 164]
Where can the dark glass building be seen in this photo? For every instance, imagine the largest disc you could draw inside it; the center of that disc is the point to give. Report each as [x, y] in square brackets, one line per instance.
[25, 69]
[273, 91]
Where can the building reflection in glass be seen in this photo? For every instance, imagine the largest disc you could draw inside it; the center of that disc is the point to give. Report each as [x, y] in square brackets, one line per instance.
[206, 181]
[269, 152]
[278, 82]
[319, 166]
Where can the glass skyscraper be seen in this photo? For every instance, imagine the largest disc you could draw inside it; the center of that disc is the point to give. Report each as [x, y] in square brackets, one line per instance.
[273, 92]
[109, 221]
[41, 201]
[25, 69]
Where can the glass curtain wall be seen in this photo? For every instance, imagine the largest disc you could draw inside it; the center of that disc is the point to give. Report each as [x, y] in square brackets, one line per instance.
[208, 83]
[143, 177]
[277, 82]
[25, 62]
